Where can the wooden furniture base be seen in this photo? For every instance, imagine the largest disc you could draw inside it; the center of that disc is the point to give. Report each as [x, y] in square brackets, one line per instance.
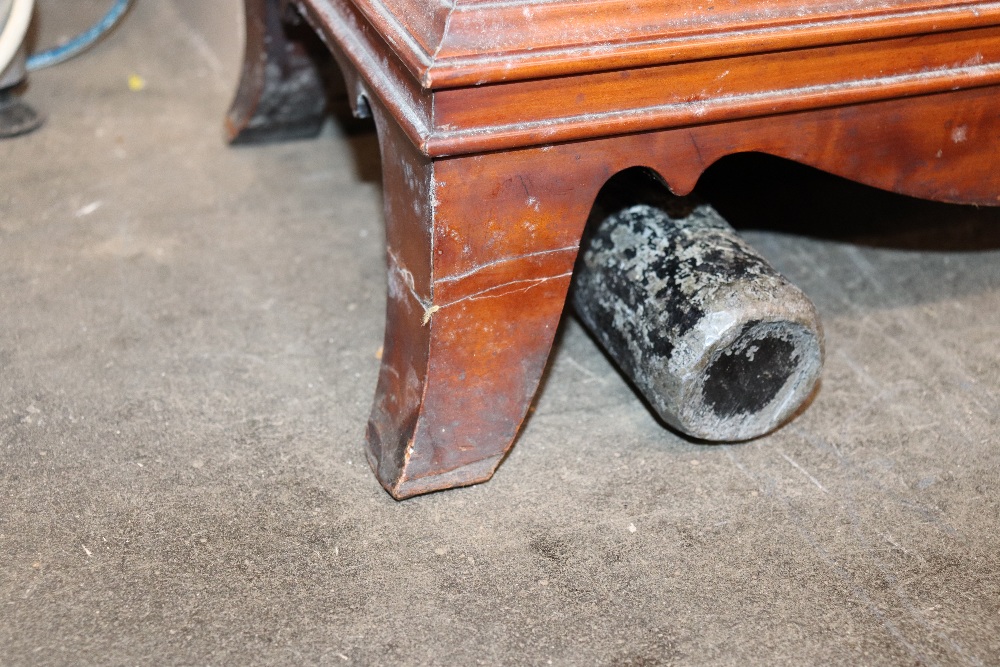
[499, 123]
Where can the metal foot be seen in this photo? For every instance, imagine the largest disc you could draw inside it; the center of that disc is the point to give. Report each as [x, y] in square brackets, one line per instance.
[720, 344]
[16, 116]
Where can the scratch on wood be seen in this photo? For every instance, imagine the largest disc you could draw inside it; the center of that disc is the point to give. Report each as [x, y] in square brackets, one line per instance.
[481, 267]
[488, 293]
[396, 266]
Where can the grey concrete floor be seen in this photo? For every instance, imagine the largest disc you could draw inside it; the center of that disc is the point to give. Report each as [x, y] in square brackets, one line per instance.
[187, 354]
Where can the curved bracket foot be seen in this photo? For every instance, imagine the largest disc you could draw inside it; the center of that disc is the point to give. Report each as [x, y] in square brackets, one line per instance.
[480, 253]
[281, 94]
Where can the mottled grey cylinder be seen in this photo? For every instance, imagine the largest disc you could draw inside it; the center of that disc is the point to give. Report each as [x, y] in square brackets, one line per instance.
[720, 344]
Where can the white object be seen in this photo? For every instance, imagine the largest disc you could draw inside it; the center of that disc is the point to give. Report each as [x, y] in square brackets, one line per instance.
[13, 30]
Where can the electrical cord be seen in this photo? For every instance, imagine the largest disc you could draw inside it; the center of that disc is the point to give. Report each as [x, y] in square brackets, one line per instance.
[81, 42]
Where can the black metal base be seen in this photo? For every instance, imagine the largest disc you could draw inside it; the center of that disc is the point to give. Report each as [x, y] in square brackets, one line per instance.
[16, 116]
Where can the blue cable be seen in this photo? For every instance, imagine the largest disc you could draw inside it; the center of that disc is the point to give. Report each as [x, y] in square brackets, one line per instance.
[81, 42]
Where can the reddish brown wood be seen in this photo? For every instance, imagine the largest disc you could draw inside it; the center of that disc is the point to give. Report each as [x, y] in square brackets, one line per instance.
[448, 121]
[475, 296]
[696, 93]
[504, 230]
[488, 186]
[470, 42]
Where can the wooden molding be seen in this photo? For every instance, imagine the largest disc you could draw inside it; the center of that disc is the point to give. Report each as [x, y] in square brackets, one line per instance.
[455, 44]
[516, 114]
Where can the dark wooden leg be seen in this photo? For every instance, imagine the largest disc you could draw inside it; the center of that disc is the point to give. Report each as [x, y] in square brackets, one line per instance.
[480, 254]
[281, 94]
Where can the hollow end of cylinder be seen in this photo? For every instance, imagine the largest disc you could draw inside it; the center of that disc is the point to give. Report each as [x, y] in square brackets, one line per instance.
[752, 382]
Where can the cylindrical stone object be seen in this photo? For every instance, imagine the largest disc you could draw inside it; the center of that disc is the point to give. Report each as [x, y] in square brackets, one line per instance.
[721, 345]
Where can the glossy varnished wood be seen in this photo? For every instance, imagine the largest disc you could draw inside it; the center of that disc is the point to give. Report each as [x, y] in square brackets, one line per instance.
[472, 42]
[500, 122]
[448, 121]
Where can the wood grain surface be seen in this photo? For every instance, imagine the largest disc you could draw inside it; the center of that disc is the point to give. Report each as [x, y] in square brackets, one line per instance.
[488, 186]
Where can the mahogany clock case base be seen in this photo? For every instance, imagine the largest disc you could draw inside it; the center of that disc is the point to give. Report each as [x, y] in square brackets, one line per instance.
[488, 188]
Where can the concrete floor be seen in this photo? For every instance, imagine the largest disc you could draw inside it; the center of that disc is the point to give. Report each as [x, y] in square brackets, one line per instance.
[187, 355]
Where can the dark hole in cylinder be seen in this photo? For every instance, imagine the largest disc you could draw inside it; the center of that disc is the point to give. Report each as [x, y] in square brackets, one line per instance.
[746, 379]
